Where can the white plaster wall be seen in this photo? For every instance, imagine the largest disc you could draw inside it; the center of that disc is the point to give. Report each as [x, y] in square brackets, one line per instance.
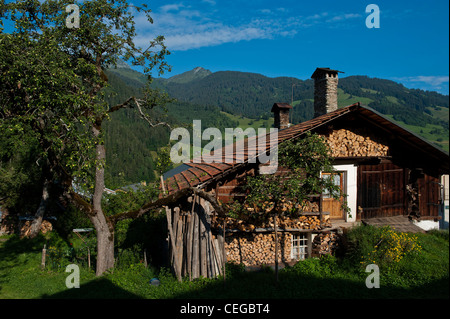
[444, 209]
[427, 224]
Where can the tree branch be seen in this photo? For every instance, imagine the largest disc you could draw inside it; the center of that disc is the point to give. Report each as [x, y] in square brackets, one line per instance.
[121, 105]
[167, 201]
[136, 101]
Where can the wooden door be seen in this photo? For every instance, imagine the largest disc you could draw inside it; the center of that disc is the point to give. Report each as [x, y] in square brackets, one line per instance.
[331, 205]
[381, 190]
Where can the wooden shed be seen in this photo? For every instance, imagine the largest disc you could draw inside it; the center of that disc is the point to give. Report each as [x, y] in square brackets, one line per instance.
[384, 169]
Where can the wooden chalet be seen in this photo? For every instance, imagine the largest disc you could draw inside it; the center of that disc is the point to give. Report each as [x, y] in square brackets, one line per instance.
[384, 169]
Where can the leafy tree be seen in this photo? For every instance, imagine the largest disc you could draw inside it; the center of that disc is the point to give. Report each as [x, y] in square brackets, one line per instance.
[57, 88]
[303, 161]
[41, 98]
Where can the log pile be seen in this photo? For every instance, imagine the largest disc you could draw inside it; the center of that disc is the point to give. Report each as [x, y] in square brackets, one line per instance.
[254, 249]
[25, 227]
[346, 143]
[325, 243]
[285, 206]
[310, 222]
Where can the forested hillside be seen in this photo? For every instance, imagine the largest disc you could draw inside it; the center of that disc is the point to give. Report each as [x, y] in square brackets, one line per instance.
[132, 145]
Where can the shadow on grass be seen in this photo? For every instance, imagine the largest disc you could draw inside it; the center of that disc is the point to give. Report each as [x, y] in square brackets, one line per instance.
[239, 284]
[295, 286]
[100, 288]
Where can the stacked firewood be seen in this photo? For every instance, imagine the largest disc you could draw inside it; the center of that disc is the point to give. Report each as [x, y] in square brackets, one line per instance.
[345, 143]
[285, 206]
[311, 222]
[257, 249]
[25, 228]
[325, 243]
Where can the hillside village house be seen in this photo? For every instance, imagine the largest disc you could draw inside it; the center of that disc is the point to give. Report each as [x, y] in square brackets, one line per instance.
[387, 172]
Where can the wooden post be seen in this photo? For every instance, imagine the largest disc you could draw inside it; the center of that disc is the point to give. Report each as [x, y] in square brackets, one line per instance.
[171, 237]
[179, 240]
[276, 246]
[145, 258]
[44, 252]
[195, 248]
[190, 236]
[89, 258]
[203, 245]
[224, 259]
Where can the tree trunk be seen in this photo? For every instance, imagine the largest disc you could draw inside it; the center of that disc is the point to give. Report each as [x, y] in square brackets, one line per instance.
[36, 224]
[105, 249]
[104, 228]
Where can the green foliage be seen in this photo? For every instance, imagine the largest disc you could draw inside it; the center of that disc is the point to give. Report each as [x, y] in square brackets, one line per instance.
[163, 163]
[318, 267]
[421, 275]
[404, 259]
[129, 200]
[305, 158]
[391, 248]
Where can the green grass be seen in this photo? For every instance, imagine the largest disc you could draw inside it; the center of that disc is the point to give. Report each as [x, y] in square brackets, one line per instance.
[345, 99]
[245, 122]
[428, 132]
[420, 275]
[439, 112]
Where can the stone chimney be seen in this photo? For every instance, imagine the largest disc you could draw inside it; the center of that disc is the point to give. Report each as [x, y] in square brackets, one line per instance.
[281, 115]
[325, 90]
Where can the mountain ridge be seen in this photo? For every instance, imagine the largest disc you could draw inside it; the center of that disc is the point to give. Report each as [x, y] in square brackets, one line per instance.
[242, 99]
[251, 95]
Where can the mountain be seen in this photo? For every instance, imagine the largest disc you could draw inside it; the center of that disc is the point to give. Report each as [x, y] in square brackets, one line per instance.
[251, 95]
[132, 145]
[230, 99]
[189, 76]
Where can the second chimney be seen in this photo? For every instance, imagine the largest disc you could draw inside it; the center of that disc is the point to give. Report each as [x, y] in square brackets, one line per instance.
[325, 90]
[281, 115]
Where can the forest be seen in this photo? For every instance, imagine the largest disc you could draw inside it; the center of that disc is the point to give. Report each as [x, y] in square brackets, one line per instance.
[202, 95]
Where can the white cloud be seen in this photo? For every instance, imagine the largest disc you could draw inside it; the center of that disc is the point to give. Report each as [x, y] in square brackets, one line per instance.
[186, 28]
[438, 83]
[171, 7]
[429, 79]
[343, 17]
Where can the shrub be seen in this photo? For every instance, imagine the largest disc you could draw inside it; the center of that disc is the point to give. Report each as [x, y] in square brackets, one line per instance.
[390, 248]
[318, 267]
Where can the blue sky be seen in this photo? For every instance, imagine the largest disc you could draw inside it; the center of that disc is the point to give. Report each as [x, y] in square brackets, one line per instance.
[292, 38]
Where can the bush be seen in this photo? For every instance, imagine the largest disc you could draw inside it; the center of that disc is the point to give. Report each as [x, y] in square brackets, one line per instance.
[405, 260]
[318, 267]
[391, 247]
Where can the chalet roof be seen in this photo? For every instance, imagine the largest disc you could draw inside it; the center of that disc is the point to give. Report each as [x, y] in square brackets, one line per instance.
[200, 174]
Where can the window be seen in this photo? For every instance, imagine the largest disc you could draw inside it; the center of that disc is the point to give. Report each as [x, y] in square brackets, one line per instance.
[338, 180]
[299, 246]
